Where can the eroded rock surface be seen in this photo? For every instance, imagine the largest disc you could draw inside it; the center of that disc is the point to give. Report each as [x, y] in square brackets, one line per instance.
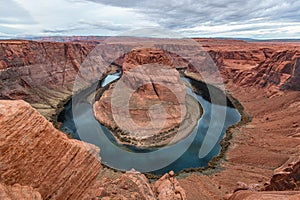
[34, 153]
[168, 188]
[148, 104]
[286, 177]
[274, 129]
[248, 195]
[131, 185]
[281, 70]
[17, 192]
[135, 185]
[264, 77]
[41, 73]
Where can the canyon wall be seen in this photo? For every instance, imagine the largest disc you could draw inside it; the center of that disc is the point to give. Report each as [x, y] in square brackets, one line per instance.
[17, 192]
[262, 76]
[35, 154]
[42, 74]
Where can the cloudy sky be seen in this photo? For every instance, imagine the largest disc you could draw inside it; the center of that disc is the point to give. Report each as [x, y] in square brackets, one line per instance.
[186, 18]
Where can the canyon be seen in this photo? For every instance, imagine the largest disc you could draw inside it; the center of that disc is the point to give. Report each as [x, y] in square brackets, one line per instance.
[261, 153]
[149, 86]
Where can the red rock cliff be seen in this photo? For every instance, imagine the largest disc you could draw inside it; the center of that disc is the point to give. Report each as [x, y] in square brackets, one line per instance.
[35, 154]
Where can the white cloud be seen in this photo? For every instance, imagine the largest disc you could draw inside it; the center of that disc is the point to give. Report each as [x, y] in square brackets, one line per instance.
[59, 17]
[256, 30]
[207, 18]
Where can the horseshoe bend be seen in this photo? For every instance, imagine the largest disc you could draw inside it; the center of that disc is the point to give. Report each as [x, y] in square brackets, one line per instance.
[150, 86]
[236, 101]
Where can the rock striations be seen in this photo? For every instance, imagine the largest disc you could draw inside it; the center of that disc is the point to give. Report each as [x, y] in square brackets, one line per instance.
[17, 192]
[34, 153]
[41, 73]
[148, 104]
[287, 177]
[135, 185]
[281, 70]
[37, 161]
[168, 188]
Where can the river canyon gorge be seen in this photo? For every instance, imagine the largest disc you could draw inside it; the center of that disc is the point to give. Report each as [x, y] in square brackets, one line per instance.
[142, 118]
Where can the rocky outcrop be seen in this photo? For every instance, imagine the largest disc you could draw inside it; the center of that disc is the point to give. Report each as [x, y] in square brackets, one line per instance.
[287, 177]
[281, 70]
[141, 56]
[269, 65]
[17, 192]
[248, 195]
[293, 82]
[153, 104]
[36, 154]
[41, 73]
[135, 185]
[168, 188]
[238, 59]
[131, 185]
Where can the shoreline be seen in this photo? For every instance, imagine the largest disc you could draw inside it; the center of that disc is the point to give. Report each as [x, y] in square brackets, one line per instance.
[213, 165]
[173, 135]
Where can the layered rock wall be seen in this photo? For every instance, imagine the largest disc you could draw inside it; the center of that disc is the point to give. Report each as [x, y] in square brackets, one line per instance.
[34, 153]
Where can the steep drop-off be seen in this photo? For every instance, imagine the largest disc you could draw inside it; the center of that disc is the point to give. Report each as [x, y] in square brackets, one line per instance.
[35, 154]
[149, 78]
[264, 77]
[42, 74]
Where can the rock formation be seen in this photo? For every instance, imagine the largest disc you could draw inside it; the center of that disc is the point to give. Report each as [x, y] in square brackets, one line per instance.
[168, 188]
[280, 70]
[248, 195]
[264, 77]
[17, 192]
[34, 153]
[42, 74]
[287, 177]
[272, 132]
[131, 185]
[135, 185]
[126, 106]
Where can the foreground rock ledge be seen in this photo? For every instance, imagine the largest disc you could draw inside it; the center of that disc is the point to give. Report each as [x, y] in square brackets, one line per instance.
[35, 154]
[135, 185]
[18, 192]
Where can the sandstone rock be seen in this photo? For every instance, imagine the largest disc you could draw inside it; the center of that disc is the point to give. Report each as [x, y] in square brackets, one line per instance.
[17, 192]
[293, 82]
[286, 178]
[143, 56]
[134, 185]
[34, 153]
[244, 186]
[276, 139]
[128, 107]
[168, 188]
[280, 70]
[248, 195]
[41, 73]
[131, 185]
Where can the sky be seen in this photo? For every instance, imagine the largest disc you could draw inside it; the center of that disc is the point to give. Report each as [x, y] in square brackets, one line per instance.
[258, 19]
